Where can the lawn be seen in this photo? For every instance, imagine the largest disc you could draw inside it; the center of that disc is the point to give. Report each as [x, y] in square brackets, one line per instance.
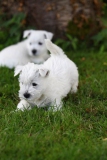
[77, 132]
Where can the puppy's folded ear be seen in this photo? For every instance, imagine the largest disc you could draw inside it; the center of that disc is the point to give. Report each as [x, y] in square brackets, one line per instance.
[27, 33]
[43, 72]
[48, 35]
[18, 70]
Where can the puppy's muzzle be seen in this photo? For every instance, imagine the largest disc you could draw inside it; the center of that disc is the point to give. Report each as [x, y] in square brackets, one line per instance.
[26, 95]
[34, 51]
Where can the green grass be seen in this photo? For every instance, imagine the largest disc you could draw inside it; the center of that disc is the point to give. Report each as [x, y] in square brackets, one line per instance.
[77, 132]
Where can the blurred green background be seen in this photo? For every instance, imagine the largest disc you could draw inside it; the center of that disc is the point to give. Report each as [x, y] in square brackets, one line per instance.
[78, 24]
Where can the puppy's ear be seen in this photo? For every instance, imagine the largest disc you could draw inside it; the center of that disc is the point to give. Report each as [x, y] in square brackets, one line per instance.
[43, 72]
[48, 35]
[27, 33]
[18, 69]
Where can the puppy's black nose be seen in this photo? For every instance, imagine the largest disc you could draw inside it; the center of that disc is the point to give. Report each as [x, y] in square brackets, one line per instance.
[26, 95]
[34, 51]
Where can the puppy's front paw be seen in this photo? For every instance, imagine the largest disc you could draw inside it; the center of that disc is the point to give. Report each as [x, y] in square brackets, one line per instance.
[22, 105]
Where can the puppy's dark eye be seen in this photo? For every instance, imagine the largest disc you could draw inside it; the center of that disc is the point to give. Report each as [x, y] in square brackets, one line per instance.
[40, 43]
[34, 84]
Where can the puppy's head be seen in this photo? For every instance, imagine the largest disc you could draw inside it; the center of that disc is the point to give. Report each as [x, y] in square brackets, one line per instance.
[33, 81]
[35, 41]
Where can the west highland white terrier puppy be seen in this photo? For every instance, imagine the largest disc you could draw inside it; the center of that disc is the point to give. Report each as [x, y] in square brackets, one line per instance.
[47, 84]
[32, 49]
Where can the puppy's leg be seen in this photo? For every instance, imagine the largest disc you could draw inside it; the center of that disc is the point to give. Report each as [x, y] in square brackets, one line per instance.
[22, 105]
[57, 105]
[74, 87]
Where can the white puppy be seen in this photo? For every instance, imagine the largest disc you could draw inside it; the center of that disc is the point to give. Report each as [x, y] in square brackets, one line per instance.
[33, 49]
[47, 84]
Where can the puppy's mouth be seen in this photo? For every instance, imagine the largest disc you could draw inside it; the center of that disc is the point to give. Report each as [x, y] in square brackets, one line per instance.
[27, 99]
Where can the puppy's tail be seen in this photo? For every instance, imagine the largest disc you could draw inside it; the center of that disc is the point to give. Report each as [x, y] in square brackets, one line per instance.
[54, 49]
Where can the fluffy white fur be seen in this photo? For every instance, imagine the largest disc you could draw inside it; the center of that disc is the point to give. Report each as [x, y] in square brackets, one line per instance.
[47, 84]
[33, 49]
